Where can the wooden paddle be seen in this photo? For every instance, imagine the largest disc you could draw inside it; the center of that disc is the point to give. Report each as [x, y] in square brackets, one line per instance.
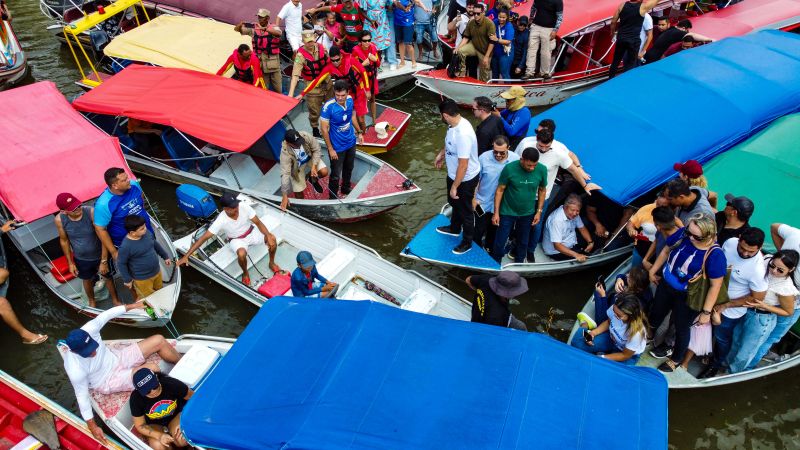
[41, 425]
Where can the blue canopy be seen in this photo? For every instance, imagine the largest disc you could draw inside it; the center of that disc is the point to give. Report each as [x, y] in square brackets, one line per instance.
[630, 130]
[355, 374]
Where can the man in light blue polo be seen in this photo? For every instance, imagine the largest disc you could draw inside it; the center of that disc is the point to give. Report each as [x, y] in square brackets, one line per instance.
[492, 164]
[341, 132]
[122, 198]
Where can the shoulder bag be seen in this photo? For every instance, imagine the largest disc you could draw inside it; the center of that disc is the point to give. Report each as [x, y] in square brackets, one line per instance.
[698, 286]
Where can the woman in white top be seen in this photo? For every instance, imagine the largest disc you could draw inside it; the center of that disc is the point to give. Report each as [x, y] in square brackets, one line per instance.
[622, 337]
[762, 316]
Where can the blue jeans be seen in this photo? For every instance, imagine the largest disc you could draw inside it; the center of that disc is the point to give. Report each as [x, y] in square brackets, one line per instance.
[602, 344]
[600, 308]
[748, 337]
[723, 339]
[782, 325]
[501, 65]
[391, 52]
[523, 226]
[536, 231]
[421, 28]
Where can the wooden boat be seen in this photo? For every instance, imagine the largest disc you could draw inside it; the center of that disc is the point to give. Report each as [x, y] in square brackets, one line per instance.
[237, 148]
[200, 355]
[18, 401]
[739, 170]
[585, 47]
[361, 273]
[13, 63]
[432, 247]
[49, 139]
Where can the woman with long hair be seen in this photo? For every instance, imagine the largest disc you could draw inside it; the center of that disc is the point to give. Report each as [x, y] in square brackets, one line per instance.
[621, 337]
[635, 283]
[684, 257]
[763, 316]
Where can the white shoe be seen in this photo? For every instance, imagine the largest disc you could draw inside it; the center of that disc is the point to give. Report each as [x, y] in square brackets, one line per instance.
[392, 66]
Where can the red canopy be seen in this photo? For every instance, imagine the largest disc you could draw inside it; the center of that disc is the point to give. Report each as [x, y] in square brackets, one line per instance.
[47, 149]
[222, 111]
[745, 17]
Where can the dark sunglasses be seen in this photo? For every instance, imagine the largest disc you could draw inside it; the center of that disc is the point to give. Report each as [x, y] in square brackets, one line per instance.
[696, 237]
[501, 152]
[336, 59]
[780, 270]
[366, 40]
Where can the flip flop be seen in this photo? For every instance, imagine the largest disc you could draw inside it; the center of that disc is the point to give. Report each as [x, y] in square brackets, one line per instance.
[40, 339]
[668, 366]
[246, 280]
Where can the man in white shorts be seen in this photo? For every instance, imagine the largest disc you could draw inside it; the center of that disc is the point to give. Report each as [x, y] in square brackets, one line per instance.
[91, 365]
[292, 15]
[243, 229]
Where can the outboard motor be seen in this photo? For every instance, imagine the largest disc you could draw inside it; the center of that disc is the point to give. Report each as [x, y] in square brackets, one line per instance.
[196, 203]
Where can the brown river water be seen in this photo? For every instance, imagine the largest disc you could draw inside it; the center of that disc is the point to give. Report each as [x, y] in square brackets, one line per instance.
[762, 414]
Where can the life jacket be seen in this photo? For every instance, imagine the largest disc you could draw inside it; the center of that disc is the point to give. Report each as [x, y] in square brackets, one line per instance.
[360, 55]
[242, 70]
[313, 67]
[265, 43]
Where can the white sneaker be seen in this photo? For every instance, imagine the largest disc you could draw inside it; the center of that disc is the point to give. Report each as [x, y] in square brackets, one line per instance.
[392, 66]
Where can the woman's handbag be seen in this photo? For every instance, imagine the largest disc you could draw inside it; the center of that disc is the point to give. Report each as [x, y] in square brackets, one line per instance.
[697, 288]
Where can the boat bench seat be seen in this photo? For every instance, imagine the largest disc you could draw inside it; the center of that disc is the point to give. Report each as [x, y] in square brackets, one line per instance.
[226, 258]
[245, 169]
[335, 262]
[195, 364]
[420, 301]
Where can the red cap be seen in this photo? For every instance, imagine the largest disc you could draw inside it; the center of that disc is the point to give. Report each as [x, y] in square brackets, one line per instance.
[67, 202]
[690, 168]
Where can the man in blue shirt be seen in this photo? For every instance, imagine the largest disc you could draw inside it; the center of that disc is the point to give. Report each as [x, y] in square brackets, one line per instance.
[307, 282]
[122, 198]
[516, 117]
[340, 130]
[492, 163]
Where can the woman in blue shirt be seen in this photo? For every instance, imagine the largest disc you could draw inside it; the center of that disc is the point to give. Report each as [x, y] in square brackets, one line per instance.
[504, 47]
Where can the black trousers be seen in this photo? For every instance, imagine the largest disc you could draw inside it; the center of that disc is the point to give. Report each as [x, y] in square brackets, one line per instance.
[484, 231]
[626, 51]
[342, 168]
[666, 300]
[463, 216]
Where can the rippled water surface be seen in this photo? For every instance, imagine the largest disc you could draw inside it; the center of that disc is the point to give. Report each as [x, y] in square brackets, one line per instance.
[762, 414]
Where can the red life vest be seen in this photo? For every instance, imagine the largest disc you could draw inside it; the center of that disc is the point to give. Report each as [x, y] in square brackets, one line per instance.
[347, 71]
[242, 70]
[265, 43]
[313, 67]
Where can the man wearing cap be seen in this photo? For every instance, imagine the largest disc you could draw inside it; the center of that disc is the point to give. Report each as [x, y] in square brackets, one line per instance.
[300, 151]
[156, 406]
[86, 255]
[516, 117]
[243, 229]
[492, 294]
[734, 219]
[91, 365]
[309, 61]
[123, 197]
[307, 282]
[266, 45]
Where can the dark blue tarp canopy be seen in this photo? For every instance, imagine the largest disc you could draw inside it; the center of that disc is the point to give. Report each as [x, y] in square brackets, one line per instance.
[630, 131]
[346, 374]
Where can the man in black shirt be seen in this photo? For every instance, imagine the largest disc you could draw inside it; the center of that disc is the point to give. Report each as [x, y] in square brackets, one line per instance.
[492, 293]
[627, 24]
[733, 220]
[156, 407]
[545, 18]
[667, 38]
[490, 127]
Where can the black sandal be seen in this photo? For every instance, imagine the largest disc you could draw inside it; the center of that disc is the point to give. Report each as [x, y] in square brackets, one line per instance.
[668, 366]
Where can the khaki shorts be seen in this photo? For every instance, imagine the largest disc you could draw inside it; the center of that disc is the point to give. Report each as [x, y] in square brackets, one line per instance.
[299, 176]
[148, 286]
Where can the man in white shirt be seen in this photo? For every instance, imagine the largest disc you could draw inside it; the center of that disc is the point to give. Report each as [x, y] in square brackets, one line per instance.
[560, 239]
[747, 282]
[646, 35]
[91, 365]
[460, 155]
[553, 157]
[292, 15]
[492, 163]
[243, 229]
[459, 23]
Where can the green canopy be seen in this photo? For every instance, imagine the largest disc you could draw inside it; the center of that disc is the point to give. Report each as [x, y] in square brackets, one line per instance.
[765, 168]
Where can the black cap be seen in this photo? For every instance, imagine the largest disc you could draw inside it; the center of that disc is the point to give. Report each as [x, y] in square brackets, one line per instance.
[293, 137]
[744, 206]
[229, 200]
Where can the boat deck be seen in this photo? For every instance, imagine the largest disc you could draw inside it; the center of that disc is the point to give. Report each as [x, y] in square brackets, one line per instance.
[433, 246]
[396, 119]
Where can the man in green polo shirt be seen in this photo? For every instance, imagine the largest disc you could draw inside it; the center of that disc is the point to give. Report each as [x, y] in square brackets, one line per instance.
[518, 202]
[475, 42]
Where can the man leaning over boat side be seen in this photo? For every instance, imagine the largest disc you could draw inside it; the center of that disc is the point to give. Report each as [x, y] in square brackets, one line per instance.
[91, 365]
[243, 229]
[300, 151]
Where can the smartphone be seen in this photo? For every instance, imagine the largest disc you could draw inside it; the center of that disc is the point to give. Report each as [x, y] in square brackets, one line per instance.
[587, 337]
[601, 281]
[479, 210]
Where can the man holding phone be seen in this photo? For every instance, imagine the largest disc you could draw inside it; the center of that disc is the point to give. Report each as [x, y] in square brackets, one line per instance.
[492, 163]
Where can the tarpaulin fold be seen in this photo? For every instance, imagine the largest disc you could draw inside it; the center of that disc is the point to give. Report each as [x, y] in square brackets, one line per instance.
[354, 374]
[696, 104]
[222, 111]
[49, 148]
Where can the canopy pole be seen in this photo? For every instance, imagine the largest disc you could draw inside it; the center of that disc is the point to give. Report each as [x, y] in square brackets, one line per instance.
[596, 63]
[235, 178]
